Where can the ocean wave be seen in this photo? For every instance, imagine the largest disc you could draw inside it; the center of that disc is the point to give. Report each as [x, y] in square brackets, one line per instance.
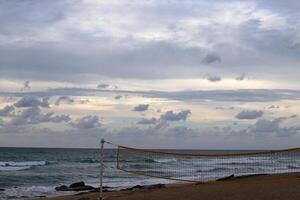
[17, 166]
[165, 160]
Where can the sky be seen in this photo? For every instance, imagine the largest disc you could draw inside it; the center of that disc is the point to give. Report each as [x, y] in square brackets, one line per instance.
[151, 74]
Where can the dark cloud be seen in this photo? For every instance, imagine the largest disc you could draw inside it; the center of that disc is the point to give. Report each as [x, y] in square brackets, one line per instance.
[118, 97]
[88, 122]
[103, 85]
[60, 118]
[141, 107]
[241, 77]
[6, 111]
[34, 115]
[211, 58]
[264, 126]
[39, 36]
[31, 101]
[241, 95]
[213, 78]
[26, 85]
[145, 121]
[273, 107]
[172, 116]
[65, 99]
[249, 114]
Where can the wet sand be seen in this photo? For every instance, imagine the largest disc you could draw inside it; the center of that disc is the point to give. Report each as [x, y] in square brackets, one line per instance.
[273, 187]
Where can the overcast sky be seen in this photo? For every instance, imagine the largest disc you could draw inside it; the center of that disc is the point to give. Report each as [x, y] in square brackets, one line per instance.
[155, 74]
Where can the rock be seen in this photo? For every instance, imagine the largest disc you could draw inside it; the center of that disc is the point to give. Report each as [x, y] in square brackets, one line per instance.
[227, 178]
[62, 188]
[155, 186]
[138, 187]
[86, 187]
[77, 184]
[1, 190]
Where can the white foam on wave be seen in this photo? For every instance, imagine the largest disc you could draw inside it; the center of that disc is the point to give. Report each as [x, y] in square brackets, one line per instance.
[17, 166]
[30, 191]
[165, 160]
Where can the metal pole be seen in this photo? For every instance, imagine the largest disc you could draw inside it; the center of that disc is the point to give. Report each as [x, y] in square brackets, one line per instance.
[101, 170]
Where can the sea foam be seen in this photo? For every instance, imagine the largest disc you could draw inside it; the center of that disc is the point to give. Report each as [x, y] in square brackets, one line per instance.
[17, 166]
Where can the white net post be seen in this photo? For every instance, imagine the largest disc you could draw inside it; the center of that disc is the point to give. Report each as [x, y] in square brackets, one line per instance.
[101, 169]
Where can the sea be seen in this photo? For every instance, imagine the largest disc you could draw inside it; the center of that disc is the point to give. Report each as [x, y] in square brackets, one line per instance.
[32, 172]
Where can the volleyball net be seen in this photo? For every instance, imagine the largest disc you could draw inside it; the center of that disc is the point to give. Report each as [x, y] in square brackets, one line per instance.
[204, 166]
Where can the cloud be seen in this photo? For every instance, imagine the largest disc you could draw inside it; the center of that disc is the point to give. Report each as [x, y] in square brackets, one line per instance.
[88, 122]
[145, 121]
[31, 101]
[273, 107]
[249, 114]
[6, 111]
[141, 107]
[213, 78]
[34, 115]
[103, 85]
[241, 77]
[60, 118]
[26, 85]
[187, 39]
[264, 126]
[45, 102]
[211, 57]
[65, 99]
[118, 97]
[172, 116]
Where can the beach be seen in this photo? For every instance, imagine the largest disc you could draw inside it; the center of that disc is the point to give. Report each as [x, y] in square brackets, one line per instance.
[264, 187]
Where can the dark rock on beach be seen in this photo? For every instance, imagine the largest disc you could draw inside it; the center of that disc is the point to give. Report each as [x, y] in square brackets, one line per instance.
[231, 177]
[1, 190]
[78, 186]
[62, 188]
[154, 186]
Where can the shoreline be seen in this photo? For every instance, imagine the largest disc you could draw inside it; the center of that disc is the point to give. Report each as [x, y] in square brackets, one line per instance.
[273, 186]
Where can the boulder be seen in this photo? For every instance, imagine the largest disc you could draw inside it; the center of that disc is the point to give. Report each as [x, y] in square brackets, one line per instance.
[84, 188]
[62, 188]
[77, 184]
[156, 186]
[231, 177]
[138, 187]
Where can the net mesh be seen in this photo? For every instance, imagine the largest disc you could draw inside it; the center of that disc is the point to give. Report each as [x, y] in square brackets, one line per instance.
[203, 166]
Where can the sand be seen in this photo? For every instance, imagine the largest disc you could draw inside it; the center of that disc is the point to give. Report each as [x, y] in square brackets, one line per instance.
[273, 187]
